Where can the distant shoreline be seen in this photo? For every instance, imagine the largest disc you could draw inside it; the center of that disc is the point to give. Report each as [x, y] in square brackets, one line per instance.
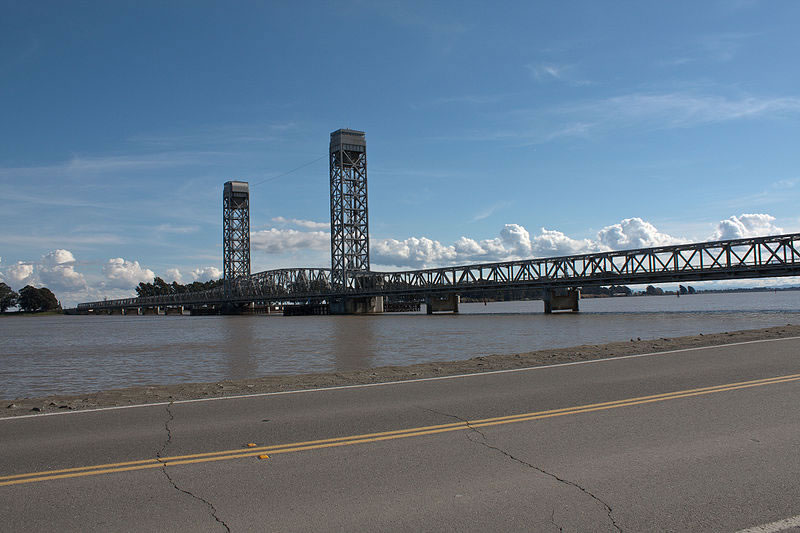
[276, 383]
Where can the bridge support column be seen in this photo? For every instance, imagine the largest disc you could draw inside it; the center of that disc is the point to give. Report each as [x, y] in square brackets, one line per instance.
[448, 302]
[561, 300]
[357, 306]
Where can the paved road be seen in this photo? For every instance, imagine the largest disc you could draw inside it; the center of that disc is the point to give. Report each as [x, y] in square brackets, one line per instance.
[696, 440]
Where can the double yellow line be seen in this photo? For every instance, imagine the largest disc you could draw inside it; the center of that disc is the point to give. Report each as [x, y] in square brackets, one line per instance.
[224, 455]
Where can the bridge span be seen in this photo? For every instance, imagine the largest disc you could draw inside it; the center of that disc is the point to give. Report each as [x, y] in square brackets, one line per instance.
[559, 279]
[350, 286]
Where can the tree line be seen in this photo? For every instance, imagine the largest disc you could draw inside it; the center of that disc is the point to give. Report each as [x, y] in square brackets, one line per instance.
[159, 287]
[29, 299]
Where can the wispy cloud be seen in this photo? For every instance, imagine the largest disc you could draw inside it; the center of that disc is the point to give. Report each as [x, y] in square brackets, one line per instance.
[307, 224]
[780, 191]
[217, 136]
[552, 72]
[677, 109]
[723, 46]
[56, 241]
[546, 72]
[463, 99]
[640, 111]
[489, 211]
[80, 166]
[717, 47]
[172, 228]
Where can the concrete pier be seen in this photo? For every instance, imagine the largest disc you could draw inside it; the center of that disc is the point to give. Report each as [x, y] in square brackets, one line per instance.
[357, 306]
[561, 300]
[443, 303]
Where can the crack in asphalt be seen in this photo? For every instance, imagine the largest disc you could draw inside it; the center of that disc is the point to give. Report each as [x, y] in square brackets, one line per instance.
[553, 520]
[609, 510]
[160, 454]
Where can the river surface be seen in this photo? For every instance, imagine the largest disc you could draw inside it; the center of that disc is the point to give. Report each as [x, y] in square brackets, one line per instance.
[74, 354]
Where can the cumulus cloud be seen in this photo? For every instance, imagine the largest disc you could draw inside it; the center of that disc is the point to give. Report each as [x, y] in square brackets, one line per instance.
[276, 241]
[20, 274]
[205, 274]
[57, 271]
[173, 274]
[124, 274]
[514, 242]
[633, 233]
[745, 226]
[58, 257]
[197, 274]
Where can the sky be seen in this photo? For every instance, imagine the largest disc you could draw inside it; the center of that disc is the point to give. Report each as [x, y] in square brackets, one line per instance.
[535, 129]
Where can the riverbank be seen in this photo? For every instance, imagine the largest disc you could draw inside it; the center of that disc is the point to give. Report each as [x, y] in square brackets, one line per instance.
[189, 391]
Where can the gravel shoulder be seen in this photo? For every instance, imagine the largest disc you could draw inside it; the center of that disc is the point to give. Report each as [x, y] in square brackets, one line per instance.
[189, 391]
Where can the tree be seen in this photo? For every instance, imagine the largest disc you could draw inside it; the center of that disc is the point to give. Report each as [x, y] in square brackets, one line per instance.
[654, 291]
[682, 289]
[8, 298]
[34, 300]
[691, 290]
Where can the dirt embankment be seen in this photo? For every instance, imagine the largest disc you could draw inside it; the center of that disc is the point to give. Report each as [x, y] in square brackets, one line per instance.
[188, 391]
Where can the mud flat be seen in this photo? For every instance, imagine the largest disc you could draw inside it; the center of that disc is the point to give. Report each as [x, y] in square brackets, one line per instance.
[190, 391]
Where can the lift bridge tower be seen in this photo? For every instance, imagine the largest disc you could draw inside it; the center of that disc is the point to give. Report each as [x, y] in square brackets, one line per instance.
[349, 215]
[235, 232]
[350, 222]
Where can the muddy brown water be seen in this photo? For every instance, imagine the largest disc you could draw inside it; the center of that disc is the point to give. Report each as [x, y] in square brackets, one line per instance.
[40, 356]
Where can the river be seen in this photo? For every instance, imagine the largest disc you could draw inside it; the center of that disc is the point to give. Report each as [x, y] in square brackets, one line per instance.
[74, 354]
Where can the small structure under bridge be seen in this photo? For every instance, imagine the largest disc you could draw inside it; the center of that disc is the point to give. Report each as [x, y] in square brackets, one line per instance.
[350, 287]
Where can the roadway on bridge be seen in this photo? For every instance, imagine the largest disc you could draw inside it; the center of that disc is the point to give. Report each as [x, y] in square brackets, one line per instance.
[697, 440]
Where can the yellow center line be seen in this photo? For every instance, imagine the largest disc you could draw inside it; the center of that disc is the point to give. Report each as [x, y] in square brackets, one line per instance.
[376, 437]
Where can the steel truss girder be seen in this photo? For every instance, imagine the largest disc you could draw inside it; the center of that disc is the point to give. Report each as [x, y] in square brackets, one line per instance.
[758, 257]
[349, 217]
[235, 237]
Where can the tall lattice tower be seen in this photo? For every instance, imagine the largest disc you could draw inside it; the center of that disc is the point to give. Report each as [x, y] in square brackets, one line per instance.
[235, 231]
[349, 217]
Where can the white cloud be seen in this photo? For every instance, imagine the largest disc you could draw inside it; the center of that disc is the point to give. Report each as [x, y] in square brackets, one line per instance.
[197, 274]
[57, 272]
[205, 274]
[307, 224]
[746, 225]
[58, 257]
[412, 252]
[124, 274]
[20, 274]
[514, 242]
[276, 241]
[633, 233]
[173, 274]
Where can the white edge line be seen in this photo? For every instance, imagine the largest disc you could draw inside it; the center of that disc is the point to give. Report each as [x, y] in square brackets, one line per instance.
[401, 382]
[772, 527]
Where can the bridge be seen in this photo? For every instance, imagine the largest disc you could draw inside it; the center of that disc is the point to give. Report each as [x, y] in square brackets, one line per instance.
[350, 287]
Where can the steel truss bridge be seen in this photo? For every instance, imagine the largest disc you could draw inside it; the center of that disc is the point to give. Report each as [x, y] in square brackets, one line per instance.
[759, 257]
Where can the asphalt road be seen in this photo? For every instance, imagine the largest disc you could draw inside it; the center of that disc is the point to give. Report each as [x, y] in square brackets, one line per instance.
[696, 440]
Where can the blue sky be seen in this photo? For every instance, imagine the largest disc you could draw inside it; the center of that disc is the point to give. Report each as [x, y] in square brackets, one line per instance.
[535, 129]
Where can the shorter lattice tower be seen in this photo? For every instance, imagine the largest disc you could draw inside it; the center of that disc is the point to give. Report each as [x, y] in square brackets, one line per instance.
[349, 215]
[235, 232]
